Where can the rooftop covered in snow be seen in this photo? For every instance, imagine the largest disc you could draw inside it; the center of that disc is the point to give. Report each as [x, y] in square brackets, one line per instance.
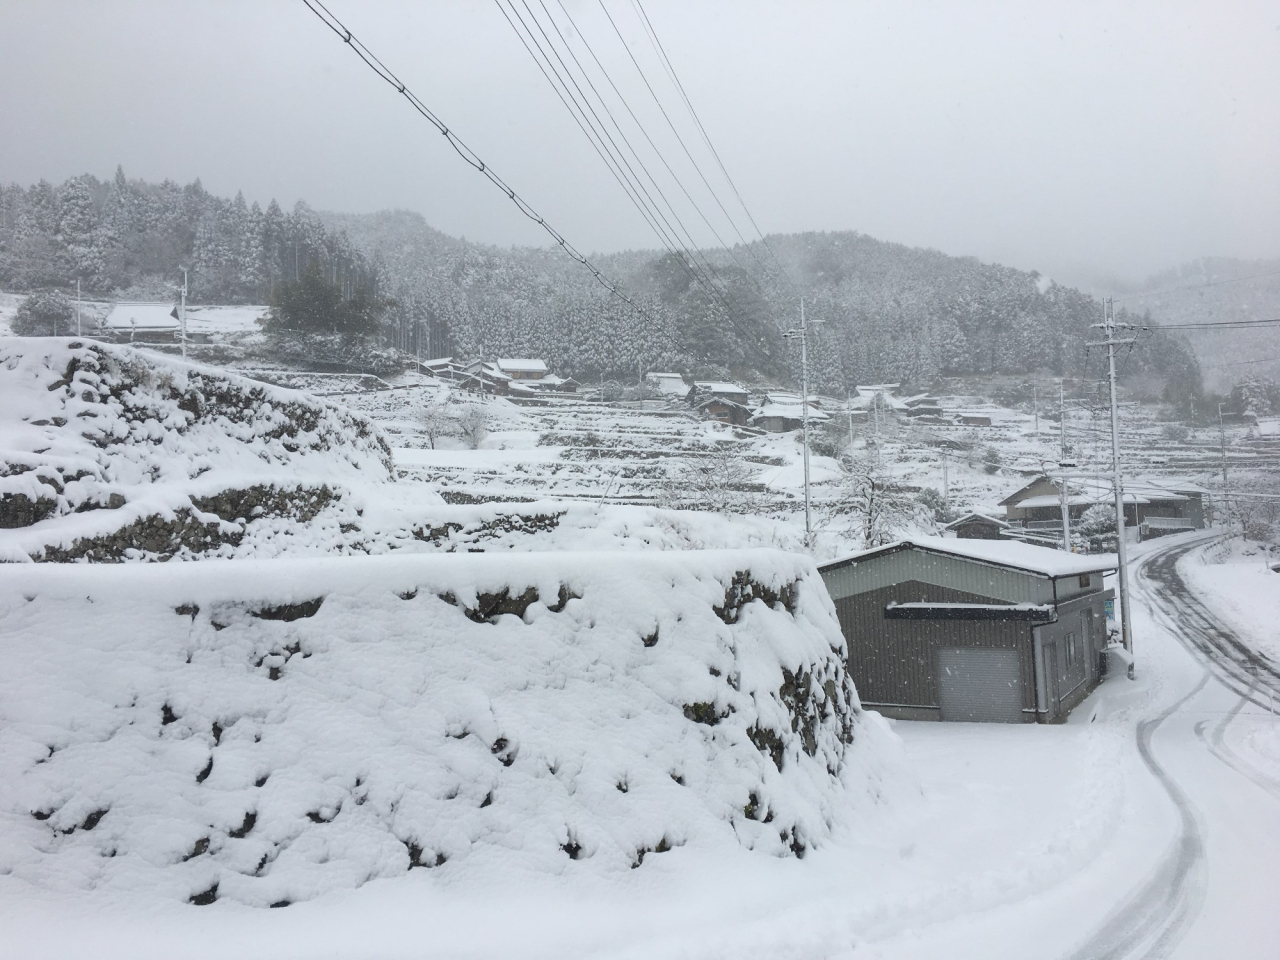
[1010, 554]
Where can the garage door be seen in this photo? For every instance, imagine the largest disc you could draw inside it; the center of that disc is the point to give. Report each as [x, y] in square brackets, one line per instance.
[977, 683]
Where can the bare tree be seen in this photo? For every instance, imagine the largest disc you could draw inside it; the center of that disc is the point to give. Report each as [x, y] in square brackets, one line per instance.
[473, 424]
[435, 420]
[719, 480]
[880, 509]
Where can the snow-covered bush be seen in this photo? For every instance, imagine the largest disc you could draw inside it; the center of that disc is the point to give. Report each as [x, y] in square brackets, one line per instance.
[46, 313]
[267, 731]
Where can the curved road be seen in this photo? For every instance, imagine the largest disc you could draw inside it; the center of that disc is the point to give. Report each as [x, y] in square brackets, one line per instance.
[1214, 892]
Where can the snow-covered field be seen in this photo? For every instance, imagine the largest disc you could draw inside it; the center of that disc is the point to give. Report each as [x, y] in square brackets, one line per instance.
[1245, 591]
[147, 709]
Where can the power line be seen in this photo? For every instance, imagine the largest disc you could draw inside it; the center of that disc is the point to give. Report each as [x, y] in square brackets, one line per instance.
[670, 124]
[688, 260]
[1195, 286]
[465, 152]
[667, 238]
[1221, 325]
[671, 71]
[604, 71]
[1237, 363]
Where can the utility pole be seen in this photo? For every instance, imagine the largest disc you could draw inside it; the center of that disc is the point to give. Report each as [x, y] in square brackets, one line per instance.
[77, 307]
[1226, 488]
[946, 487]
[802, 334]
[182, 313]
[1035, 405]
[848, 408]
[1109, 328]
[1062, 419]
[1066, 507]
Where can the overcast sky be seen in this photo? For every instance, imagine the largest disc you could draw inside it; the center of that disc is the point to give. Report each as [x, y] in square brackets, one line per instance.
[1075, 138]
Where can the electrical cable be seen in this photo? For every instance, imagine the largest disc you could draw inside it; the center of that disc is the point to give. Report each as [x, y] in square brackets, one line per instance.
[667, 117]
[467, 154]
[671, 70]
[604, 71]
[688, 260]
[1195, 286]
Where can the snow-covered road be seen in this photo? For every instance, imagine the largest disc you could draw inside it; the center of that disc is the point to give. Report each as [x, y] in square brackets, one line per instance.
[1213, 891]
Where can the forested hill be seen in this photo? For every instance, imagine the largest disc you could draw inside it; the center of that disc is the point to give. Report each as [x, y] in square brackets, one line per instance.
[889, 312]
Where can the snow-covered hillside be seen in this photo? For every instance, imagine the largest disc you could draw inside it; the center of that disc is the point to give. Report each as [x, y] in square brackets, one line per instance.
[267, 731]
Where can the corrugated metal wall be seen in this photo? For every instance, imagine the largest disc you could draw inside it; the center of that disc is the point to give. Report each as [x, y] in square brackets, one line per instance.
[895, 661]
[954, 573]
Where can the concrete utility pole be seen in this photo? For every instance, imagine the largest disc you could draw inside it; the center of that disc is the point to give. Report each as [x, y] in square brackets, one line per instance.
[1226, 488]
[802, 334]
[946, 487]
[182, 313]
[1035, 405]
[1109, 328]
[78, 308]
[848, 408]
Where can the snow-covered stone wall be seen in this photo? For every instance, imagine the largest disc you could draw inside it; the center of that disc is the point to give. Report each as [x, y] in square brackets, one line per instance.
[266, 731]
[107, 453]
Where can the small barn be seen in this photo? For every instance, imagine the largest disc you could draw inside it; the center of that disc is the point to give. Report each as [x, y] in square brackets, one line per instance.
[976, 526]
[723, 390]
[142, 320]
[522, 368]
[781, 413]
[978, 630]
[725, 411]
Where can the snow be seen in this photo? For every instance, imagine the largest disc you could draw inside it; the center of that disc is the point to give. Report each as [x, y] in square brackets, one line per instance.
[522, 366]
[1242, 589]
[1008, 553]
[142, 316]
[404, 716]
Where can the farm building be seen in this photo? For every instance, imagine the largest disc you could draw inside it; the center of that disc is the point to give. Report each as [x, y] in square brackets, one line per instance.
[668, 384]
[781, 413]
[725, 411]
[526, 369]
[976, 526]
[1153, 507]
[942, 629]
[129, 320]
[725, 391]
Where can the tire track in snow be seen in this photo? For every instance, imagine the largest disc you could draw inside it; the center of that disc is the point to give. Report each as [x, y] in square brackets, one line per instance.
[1150, 921]
[1153, 917]
[1214, 741]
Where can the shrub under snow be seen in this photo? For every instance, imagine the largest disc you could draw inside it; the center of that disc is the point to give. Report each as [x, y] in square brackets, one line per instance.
[265, 731]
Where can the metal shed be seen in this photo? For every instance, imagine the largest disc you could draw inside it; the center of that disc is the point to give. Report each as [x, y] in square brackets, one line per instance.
[947, 629]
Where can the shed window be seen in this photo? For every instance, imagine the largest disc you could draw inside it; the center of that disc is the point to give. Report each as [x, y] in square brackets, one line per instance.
[1084, 579]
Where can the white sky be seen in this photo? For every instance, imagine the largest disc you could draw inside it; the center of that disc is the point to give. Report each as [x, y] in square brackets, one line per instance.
[1080, 139]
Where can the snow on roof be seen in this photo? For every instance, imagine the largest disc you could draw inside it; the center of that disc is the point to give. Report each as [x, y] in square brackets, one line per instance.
[716, 386]
[868, 389]
[665, 376]
[789, 411]
[522, 365]
[129, 315]
[975, 515]
[1002, 553]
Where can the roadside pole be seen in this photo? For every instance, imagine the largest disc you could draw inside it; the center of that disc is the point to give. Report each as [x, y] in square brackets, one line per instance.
[802, 334]
[182, 313]
[1109, 328]
[1226, 488]
[78, 308]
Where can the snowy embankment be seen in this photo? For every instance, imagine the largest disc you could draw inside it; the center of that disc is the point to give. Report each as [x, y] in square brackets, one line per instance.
[107, 453]
[1236, 581]
[268, 731]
